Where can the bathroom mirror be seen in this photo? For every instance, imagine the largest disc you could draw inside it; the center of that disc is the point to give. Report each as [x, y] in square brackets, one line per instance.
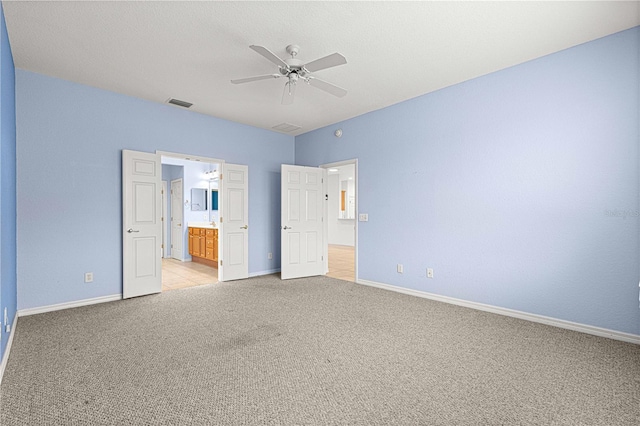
[198, 199]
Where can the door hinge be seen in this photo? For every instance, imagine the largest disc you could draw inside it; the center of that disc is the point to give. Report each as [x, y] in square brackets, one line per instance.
[171, 245]
[162, 191]
[220, 262]
[161, 245]
[172, 192]
[220, 176]
[221, 219]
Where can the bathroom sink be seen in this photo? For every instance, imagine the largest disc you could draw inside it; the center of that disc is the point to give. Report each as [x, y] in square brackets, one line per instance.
[207, 225]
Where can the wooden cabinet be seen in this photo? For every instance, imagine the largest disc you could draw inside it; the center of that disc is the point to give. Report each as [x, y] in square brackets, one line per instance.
[211, 244]
[203, 245]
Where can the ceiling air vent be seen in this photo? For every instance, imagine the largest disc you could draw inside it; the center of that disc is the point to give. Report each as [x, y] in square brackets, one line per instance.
[179, 103]
[286, 127]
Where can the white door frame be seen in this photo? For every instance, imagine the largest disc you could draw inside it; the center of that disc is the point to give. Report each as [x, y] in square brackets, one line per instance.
[353, 161]
[181, 204]
[164, 218]
[220, 195]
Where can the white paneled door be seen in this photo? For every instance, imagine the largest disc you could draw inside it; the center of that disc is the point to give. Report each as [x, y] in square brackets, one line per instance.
[177, 230]
[142, 225]
[234, 221]
[302, 221]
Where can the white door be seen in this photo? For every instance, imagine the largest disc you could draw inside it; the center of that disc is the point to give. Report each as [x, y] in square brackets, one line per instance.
[302, 222]
[163, 199]
[142, 227]
[176, 219]
[234, 220]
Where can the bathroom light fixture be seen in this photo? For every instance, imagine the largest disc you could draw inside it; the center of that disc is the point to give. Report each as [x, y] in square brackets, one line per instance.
[211, 174]
[333, 170]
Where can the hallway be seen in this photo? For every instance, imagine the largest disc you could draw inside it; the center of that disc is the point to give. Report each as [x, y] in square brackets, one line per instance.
[342, 262]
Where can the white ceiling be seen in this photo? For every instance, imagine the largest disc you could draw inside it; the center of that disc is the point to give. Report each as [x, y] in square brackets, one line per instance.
[395, 50]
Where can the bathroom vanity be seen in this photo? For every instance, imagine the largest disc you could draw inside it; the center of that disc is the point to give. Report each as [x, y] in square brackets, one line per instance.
[203, 244]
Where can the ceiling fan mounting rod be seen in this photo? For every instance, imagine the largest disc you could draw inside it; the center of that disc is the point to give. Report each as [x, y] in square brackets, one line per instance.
[293, 49]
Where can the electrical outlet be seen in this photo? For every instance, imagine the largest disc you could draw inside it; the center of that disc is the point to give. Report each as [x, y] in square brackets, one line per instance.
[400, 268]
[269, 255]
[88, 277]
[363, 217]
[429, 272]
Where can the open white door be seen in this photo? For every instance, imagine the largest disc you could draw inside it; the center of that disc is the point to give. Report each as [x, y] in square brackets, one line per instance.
[177, 211]
[142, 225]
[234, 221]
[302, 222]
[163, 199]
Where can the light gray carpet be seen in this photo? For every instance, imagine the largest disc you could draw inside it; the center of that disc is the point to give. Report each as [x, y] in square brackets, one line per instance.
[309, 351]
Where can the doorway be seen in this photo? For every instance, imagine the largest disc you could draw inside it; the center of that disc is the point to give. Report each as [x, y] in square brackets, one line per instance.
[142, 221]
[194, 181]
[341, 190]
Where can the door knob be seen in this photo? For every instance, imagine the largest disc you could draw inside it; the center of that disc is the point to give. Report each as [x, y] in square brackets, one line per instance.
[131, 230]
[244, 227]
[287, 227]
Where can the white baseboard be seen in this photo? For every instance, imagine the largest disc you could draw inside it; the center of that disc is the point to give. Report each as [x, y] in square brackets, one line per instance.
[67, 305]
[5, 357]
[584, 328]
[267, 272]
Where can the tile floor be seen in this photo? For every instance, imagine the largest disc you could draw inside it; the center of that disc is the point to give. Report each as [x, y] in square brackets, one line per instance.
[176, 274]
[342, 262]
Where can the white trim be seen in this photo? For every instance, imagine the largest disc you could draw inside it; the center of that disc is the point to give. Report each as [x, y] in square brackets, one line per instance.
[569, 325]
[188, 157]
[5, 357]
[267, 272]
[67, 305]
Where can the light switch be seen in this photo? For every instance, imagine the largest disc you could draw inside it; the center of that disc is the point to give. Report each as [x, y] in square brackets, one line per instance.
[363, 217]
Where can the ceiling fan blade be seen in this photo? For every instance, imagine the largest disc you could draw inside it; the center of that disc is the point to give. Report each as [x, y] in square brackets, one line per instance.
[327, 87]
[260, 77]
[270, 56]
[289, 92]
[329, 61]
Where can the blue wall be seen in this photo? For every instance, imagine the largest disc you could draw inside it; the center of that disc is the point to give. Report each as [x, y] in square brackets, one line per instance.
[8, 280]
[520, 188]
[70, 138]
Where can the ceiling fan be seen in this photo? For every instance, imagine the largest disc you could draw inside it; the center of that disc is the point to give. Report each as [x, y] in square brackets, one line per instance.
[294, 70]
